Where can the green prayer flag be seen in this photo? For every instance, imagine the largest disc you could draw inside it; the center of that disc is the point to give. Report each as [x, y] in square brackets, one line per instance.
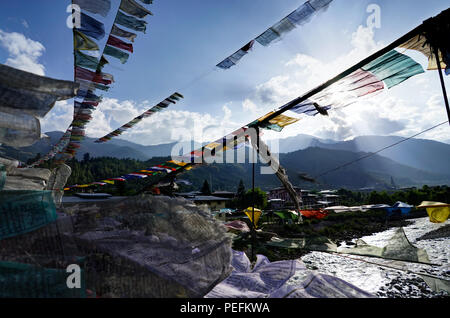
[114, 52]
[130, 22]
[393, 68]
[87, 61]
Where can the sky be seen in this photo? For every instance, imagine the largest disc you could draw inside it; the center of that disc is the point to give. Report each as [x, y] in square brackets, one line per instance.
[184, 41]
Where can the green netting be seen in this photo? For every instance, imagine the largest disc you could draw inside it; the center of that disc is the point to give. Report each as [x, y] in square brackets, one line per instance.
[22, 211]
[393, 68]
[2, 176]
[436, 284]
[308, 243]
[19, 280]
[398, 248]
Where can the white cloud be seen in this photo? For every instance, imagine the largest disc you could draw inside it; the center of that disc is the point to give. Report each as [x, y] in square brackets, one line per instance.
[163, 127]
[23, 52]
[250, 106]
[59, 117]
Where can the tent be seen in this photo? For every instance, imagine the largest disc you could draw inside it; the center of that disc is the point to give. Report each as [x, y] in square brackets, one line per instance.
[249, 213]
[437, 211]
[399, 206]
[314, 214]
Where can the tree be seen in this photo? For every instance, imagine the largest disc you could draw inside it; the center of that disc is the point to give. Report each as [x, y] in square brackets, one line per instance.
[259, 197]
[86, 157]
[36, 158]
[205, 188]
[241, 190]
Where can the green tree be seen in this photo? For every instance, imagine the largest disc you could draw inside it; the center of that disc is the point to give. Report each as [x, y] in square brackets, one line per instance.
[36, 158]
[259, 197]
[206, 188]
[86, 157]
[241, 190]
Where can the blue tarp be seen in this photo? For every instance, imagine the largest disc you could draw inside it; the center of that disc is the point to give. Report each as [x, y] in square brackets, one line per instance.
[401, 207]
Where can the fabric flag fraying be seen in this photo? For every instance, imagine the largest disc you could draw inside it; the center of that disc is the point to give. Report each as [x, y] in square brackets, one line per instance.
[165, 103]
[83, 42]
[393, 68]
[100, 7]
[235, 57]
[133, 8]
[91, 27]
[113, 41]
[114, 52]
[102, 78]
[302, 14]
[122, 33]
[130, 22]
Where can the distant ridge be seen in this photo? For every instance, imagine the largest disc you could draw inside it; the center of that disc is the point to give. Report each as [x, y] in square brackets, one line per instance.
[415, 162]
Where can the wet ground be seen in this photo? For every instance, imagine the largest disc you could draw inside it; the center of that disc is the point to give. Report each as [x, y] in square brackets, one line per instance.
[386, 282]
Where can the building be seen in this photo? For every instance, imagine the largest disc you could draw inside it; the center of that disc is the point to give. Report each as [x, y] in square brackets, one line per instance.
[216, 201]
[224, 194]
[282, 194]
[275, 204]
[213, 202]
[309, 199]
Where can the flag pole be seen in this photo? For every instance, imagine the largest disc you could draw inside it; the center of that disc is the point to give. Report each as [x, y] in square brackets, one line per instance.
[441, 77]
[253, 200]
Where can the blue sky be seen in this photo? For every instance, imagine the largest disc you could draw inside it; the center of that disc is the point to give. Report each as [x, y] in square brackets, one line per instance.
[185, 39]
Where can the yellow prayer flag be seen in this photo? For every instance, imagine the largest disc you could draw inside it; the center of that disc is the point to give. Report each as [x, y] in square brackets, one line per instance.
[83, 42]
[280, 120]
[212, 145]
[419, 43]
[108, 181]
[178, 163]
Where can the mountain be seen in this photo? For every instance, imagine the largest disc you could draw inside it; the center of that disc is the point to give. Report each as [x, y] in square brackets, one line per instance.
[116, 148]
[414, 162]
[373, 172]
[300, 142]
[423, 154]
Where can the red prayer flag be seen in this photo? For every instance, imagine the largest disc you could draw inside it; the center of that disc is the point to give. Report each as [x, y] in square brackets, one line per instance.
[113, 41]
[82, 73]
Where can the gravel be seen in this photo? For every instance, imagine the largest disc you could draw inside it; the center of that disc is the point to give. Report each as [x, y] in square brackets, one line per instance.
[386, 282]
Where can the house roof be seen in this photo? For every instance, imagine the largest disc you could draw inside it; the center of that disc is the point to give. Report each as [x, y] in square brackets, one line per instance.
[208, 198]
